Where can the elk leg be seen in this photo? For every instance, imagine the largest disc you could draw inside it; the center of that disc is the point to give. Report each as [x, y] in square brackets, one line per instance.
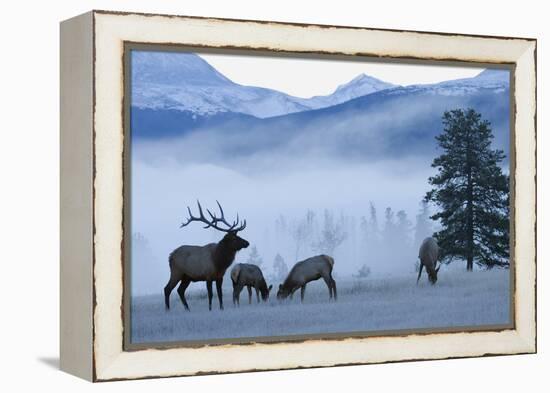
[238, 290]
[219, 291]
[236, 293]
[249, 288]
[328, 281]
[257, 294]
[419, 272]
[209, 289]
[168, 290]
[334, 294]
[181, 291]
[302, 292]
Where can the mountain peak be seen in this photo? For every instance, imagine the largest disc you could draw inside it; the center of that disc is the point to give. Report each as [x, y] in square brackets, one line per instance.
[174, 68]
[364, 80]
[360, 77]
[184, 81]
[359, 86]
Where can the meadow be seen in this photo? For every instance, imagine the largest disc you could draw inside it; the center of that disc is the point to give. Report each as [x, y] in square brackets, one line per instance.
[389, 303]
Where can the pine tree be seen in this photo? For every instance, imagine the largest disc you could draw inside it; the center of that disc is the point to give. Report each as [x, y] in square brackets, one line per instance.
[373, 225]
[402, 229]
[279, 267]
[389, 226]
[254, 257]
[369, 228]
[423, 227]
[471, 192]
[364, 227]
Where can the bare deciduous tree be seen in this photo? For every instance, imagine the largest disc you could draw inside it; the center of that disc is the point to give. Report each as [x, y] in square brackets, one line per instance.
[332, 235]
[302, 231]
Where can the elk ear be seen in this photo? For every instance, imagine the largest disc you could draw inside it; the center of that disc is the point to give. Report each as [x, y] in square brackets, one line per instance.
[269, 288]
[280, 287]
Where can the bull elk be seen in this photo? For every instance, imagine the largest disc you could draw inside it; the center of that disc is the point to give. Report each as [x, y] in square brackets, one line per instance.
[249, 276]
[205, 263]
[428, 254]
[310, 269]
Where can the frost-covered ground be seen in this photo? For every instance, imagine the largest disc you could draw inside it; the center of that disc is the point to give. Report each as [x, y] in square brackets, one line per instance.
[373, 304]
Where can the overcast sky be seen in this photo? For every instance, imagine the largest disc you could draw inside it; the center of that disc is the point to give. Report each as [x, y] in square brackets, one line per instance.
[309, 77]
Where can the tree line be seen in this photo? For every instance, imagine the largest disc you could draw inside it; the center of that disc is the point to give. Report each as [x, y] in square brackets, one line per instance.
[389, 237]
[469, 196]
[466, 209]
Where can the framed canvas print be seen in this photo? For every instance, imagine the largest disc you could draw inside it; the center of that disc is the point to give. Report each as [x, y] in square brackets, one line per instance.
[248, 195]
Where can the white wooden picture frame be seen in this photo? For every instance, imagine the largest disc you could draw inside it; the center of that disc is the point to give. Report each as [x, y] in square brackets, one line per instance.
[92, 194]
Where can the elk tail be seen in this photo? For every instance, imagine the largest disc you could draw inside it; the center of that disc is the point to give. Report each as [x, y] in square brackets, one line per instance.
[171, 259]
[235, 274]
[330, 260]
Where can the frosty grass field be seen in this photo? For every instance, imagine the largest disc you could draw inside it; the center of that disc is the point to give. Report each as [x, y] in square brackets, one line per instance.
[458, 299]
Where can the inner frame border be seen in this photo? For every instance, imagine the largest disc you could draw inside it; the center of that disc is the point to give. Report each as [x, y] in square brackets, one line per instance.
[129, 46]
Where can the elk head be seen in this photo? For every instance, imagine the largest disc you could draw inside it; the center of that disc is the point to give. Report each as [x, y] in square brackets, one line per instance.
[264, 291]
[283, 292]
[432, 273]
[231, 240]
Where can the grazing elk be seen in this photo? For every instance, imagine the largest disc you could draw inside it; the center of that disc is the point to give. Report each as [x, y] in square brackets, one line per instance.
[428, 254]
[249, 276]
[305, 271]
[204, 263]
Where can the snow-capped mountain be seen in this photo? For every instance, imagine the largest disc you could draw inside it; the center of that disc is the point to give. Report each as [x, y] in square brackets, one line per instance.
[174, 68]
[185, 82]
[490, 79]
[359, 86]
[394, 122]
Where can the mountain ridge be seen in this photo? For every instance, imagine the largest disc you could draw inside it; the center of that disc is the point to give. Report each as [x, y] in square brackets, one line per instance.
[394, 122]
[391, 122]
[184, 81]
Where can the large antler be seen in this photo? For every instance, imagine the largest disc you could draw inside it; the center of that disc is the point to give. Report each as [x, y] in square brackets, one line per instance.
[213, 223]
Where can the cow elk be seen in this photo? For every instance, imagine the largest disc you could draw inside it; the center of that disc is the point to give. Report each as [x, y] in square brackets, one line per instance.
[205, 263]
[305, 271]
[428, 254]
[249, 276]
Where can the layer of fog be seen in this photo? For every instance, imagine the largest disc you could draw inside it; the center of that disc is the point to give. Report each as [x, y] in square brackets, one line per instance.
[375, 127]
[276, 193]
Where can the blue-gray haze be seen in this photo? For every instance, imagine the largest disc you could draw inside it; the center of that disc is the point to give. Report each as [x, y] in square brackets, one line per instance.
[292, 167]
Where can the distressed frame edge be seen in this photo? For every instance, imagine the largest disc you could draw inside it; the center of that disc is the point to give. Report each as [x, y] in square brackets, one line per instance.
[304, 24]
[526, 180]
[76, 196]
[528, 339]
